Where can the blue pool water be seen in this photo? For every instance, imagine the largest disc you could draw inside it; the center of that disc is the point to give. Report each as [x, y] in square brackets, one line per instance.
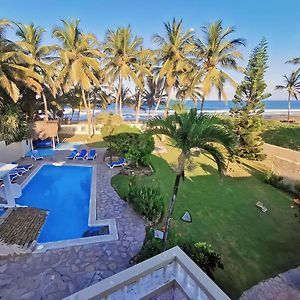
[42, 152]
[65, 192]
[68, 146]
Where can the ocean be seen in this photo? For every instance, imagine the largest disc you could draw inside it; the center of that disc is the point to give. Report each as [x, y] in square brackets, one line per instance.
[272, 107]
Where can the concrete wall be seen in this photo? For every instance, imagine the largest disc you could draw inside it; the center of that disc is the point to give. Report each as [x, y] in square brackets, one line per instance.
[13, 151]
[283, 162]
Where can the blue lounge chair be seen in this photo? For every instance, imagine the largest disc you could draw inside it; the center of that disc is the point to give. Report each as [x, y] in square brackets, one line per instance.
[120, 163]
[35, 155]
[92, 154]
[82, 155]
[23, 167]
[73, 154]
[17, 172]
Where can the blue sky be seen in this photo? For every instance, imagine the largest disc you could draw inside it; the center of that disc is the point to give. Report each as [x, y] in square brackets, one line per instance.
[276, 20]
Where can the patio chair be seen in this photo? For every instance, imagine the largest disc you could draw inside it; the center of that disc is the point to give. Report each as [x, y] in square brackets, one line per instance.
[35, 155]
[92, 154]
[82, 155]
[73, 154]
[119, 163]
[23, 167]
[17, 172]
[261, 206]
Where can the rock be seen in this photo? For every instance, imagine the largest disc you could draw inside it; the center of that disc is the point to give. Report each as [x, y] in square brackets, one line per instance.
[187, 217]
[74, 268]
[89, 268]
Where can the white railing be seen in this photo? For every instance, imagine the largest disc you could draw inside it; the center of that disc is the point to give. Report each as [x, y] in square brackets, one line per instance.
[153, 276]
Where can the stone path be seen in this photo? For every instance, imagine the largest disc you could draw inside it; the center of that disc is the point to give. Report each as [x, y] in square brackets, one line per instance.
[285, 286]
[58, 273]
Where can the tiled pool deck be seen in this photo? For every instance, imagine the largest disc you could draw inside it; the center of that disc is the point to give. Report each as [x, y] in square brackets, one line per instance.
[58, 273]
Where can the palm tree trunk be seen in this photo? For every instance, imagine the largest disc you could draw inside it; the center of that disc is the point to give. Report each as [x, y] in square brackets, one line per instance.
[157, 105]
[118, 99]
[202, 105]
[168, 102]
[88, 113]
[181, 161]
[289, 108]
[45, 107]
[137, 117]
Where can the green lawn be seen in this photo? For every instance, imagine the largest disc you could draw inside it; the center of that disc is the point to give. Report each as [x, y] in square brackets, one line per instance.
[284, 135]
[255, 246]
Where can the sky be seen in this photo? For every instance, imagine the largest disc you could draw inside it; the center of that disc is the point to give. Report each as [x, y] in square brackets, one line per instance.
[277, 20]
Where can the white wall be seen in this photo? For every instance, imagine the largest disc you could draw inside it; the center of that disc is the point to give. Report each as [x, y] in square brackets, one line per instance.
[13, 151]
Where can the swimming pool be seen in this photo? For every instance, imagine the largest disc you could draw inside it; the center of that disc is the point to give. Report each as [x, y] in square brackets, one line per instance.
[65, 192]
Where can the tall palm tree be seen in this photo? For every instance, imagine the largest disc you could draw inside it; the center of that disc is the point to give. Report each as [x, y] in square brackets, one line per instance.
[218, 53]
[189, 130]
[122, 51]
[79, 60]
[15, 68]
[292, 86]
[31, 44]
[190, 87]
[174, 55]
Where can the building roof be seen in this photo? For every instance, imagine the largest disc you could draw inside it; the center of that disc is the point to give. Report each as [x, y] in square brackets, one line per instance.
[22, 226]
[5, 168]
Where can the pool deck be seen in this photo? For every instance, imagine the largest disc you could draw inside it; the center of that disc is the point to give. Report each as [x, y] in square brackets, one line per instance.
[61, 272]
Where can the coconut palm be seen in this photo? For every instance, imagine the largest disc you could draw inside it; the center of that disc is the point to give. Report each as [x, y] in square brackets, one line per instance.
[15, 71]
[187, 131]
[78, 61]
[218, 53]
[31, 45]
[190, 87]
[292, 87]
[174, 55]
[153, 92]
[122, 51]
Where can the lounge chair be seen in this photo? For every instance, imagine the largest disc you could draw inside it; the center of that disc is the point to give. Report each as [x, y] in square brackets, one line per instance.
[22, 167]
[35, 155]
[82, 155]
[17, 172]
[261, 206]
[119, 163]
[92, 154]
[73, 154]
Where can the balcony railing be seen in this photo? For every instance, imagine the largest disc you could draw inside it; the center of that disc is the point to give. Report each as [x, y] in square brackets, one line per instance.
[154, 276]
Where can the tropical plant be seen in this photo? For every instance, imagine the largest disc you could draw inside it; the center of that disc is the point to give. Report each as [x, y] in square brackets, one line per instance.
[187, 131]
[153, 92]
[15, 68]
[179, 107]
[122, 51]
[13, 127]
[31, 45]
[292, 87]
[174, 54]
[217, 53]
[249, 107]
[146, 201]
[79, 61]
[190, 87]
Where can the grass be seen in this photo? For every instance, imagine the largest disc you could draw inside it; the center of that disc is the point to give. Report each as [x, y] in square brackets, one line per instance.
[255, 246]
[284, 135]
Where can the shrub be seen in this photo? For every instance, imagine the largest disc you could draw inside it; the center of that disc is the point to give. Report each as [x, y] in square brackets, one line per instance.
[297, 189]
[13, 127]
[147, 201]
[136, 147]
[201, 253]
[273, 179]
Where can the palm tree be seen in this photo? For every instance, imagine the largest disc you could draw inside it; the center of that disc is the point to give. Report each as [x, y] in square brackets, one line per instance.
[218, 53]
[174, 55]
[189, 130]
[15, 68]
[31, 45]
[190, 87]
[292, 86]
[153, 92]
[79, 61]
[122, 51]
